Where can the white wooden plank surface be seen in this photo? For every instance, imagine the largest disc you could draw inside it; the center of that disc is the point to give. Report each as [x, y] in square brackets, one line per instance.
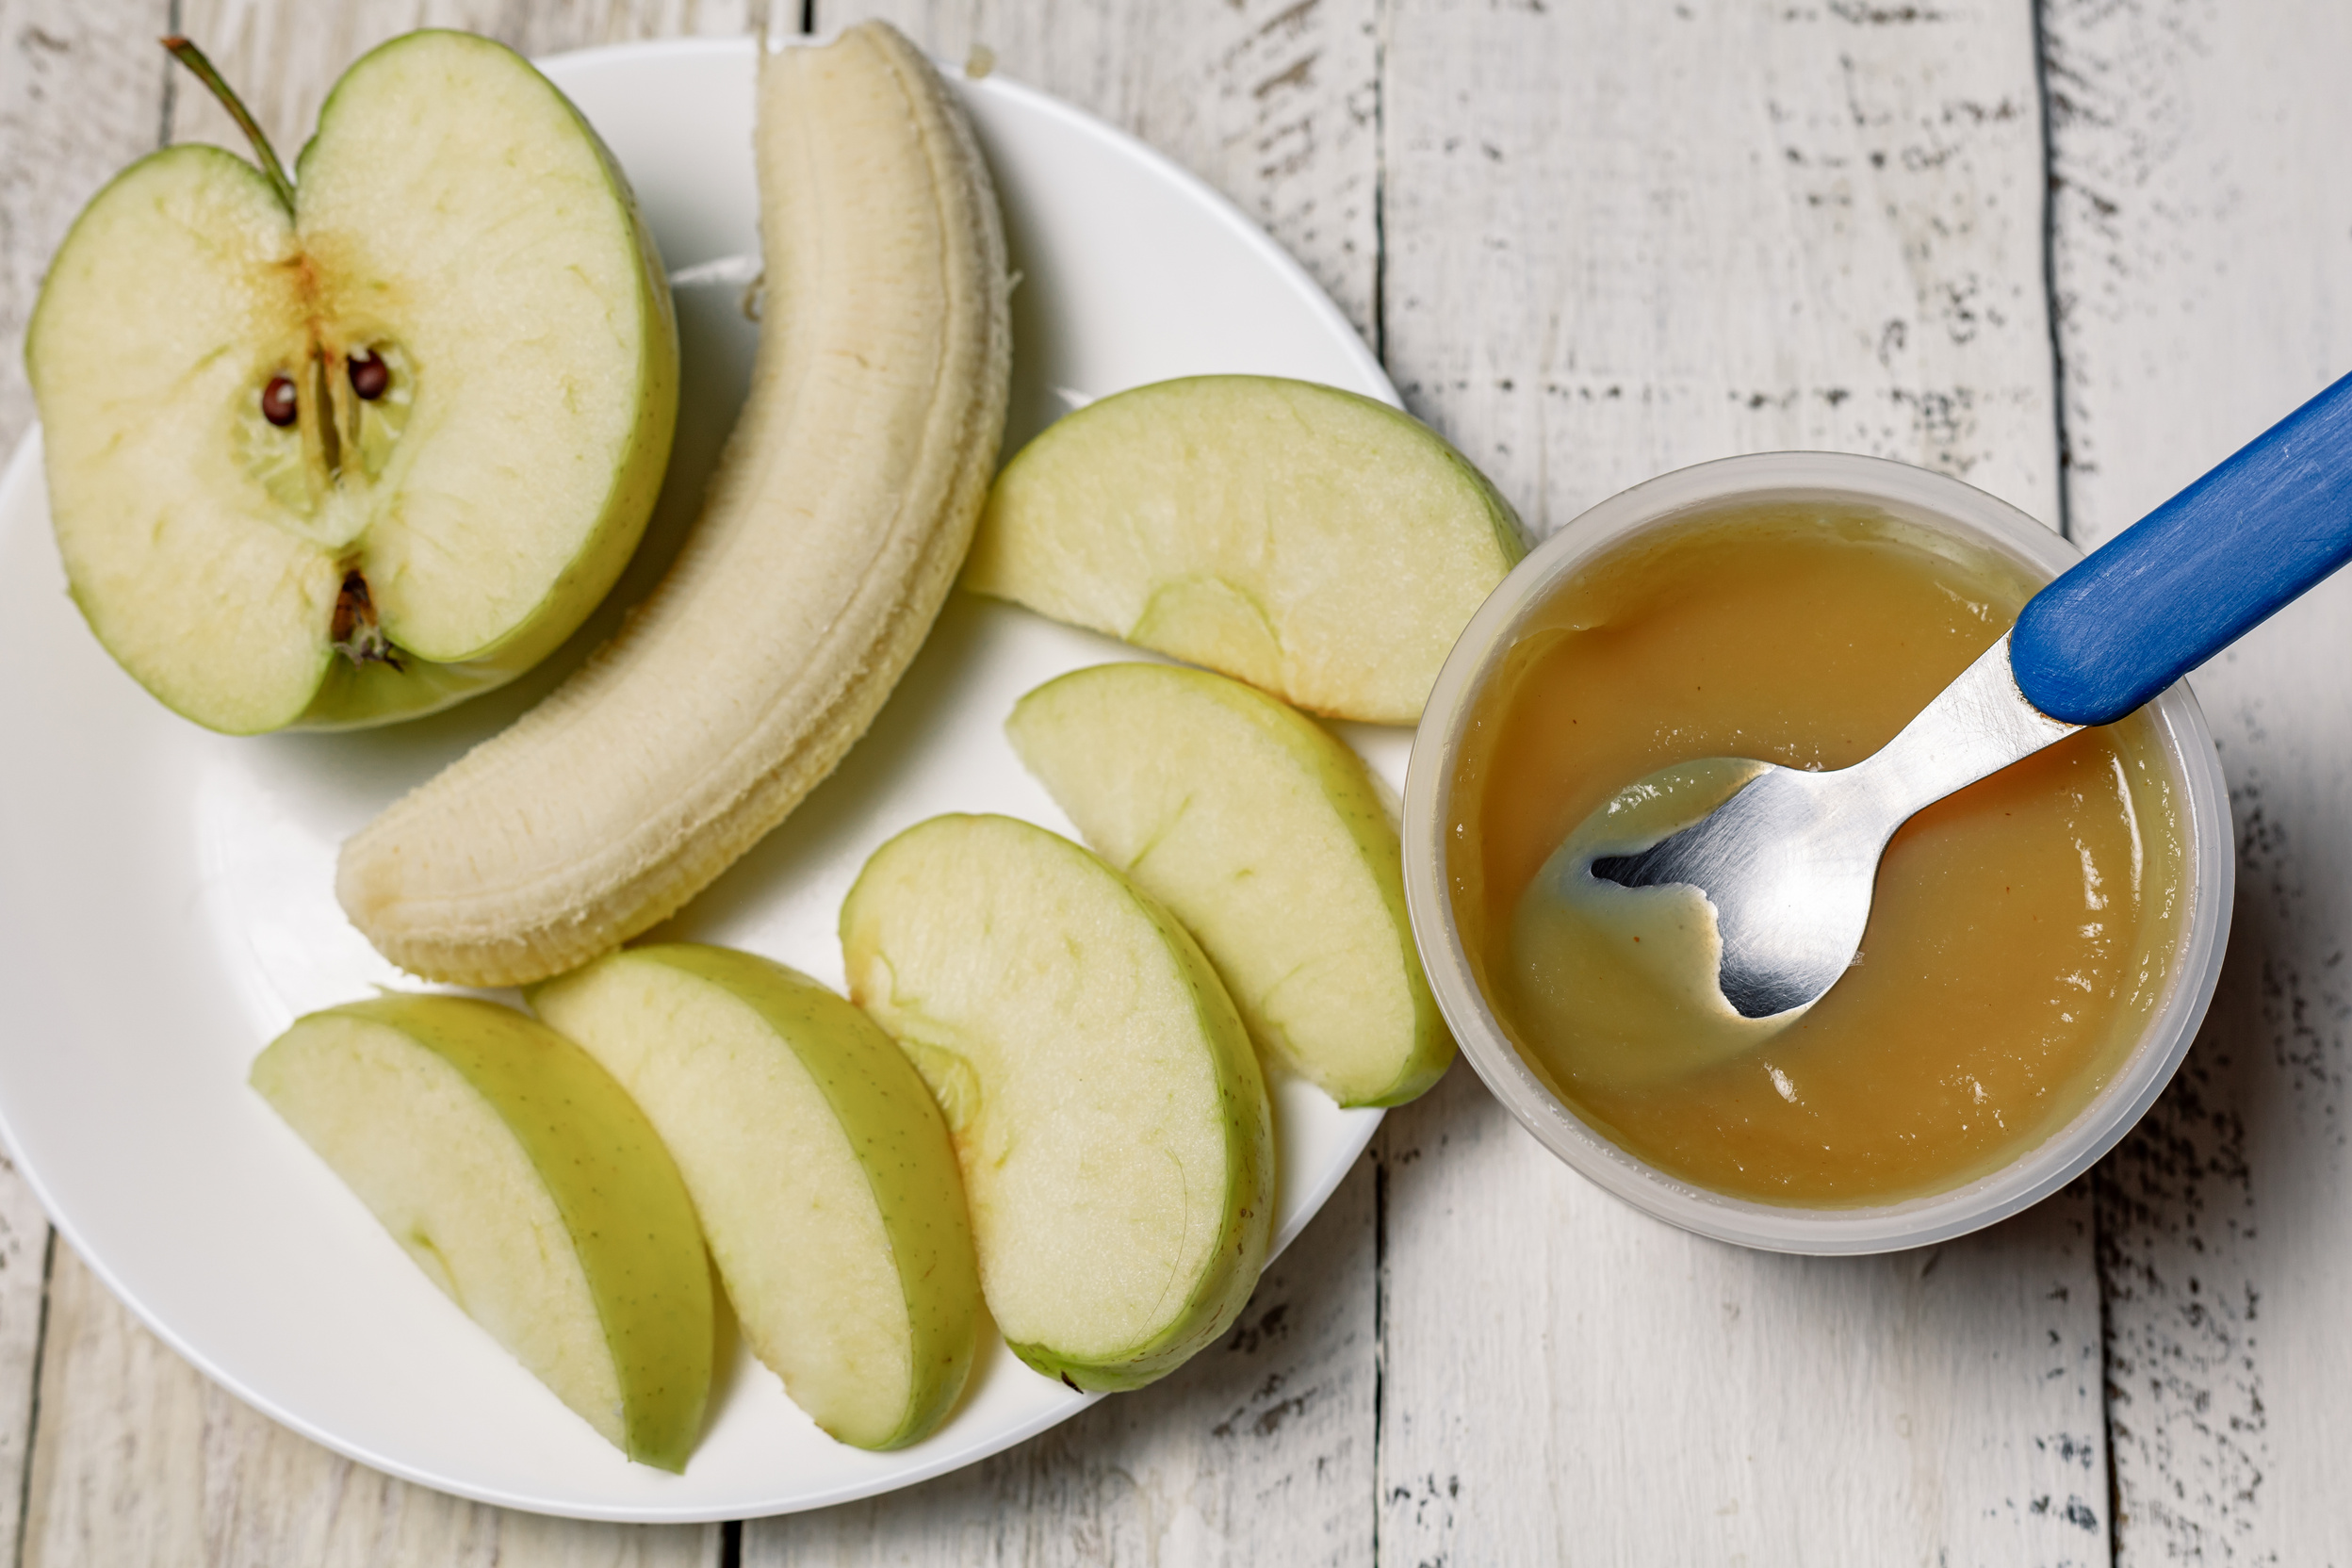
[1625, 236]
[1622, 236]
[282, 57]
[137, 1460]
[2204, 273]
[1260, 1451]
[1273, 102]
[80, 88]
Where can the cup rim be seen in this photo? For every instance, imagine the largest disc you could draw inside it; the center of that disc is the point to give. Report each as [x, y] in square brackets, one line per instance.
[1914, 495]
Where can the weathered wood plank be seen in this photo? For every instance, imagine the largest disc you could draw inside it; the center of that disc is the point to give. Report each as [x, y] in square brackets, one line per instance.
[282, 58]
[1260, 1451]
[79, 86]
[1273, 102]
[24, 1243]
[1566, 1380]
[1624, 237]
[138, 1460]
[2203, 263]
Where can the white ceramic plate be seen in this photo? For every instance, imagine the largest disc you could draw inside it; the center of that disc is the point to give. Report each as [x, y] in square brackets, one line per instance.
[166, 901]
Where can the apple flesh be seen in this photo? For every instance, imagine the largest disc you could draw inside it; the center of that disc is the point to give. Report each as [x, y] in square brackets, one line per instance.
[820, 1168]
[352, 449]
[525, 1184]
[1270, 841]
[1313, 543]
[1103, 1100]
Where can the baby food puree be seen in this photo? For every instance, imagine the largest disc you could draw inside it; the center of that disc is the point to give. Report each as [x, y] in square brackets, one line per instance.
[2020, 932]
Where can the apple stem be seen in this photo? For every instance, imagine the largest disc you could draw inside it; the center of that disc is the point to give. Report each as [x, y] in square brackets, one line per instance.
[203, 71]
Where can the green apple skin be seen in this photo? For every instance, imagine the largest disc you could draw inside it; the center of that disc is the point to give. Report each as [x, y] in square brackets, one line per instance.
[527, 1187]
[819, 1166]
[1270, 841]
[1106, 1107]
[487, 503]
[1315, 543]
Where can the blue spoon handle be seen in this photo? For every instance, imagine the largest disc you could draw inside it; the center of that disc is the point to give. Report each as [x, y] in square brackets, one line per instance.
[2195, 574]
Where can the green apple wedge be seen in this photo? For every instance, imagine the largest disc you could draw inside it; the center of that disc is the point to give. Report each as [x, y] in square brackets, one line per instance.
[525, 1184]
[1106, 1105]
[819, 1165]
[1315, 543]
[1270, 841]
[345, 449]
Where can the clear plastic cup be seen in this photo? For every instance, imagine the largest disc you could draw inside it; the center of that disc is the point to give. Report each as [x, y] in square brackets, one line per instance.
[1924, 499]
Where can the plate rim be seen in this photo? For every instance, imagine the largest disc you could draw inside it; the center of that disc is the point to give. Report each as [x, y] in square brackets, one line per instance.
[22, 471]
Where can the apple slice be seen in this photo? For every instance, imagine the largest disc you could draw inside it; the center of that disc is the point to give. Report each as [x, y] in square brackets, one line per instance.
[1310, 542]
[523, 1181]
[1101, 1094]
[1270, 841]
[345, 452]
[818, 1164]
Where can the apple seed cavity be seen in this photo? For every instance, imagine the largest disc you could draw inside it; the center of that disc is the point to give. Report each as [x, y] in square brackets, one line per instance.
[355, 631]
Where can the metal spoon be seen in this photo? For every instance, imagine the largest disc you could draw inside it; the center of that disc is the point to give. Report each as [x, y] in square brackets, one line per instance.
[1789, 860]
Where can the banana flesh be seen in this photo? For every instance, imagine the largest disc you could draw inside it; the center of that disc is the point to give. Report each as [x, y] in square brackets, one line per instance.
[834, 527]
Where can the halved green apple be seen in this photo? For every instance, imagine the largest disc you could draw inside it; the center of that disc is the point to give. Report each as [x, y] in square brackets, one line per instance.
[347, 450]
[1318, 545]
[525, 1184]
[1105, 1102]
[819, 1165]
[1270, 841]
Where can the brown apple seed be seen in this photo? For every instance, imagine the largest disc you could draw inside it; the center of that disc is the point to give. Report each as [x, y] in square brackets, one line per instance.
[371, 378]
[278, 402]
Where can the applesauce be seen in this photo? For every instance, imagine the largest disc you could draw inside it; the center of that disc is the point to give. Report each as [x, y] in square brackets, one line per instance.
[2023, 930]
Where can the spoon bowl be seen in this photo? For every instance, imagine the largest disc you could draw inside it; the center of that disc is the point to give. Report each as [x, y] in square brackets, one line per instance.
[1788, 862]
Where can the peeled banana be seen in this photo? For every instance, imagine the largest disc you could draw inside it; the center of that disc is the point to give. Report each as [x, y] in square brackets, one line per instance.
[835, 524]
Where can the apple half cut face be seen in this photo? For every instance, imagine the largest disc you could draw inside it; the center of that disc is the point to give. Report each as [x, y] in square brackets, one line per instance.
[357, 458]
